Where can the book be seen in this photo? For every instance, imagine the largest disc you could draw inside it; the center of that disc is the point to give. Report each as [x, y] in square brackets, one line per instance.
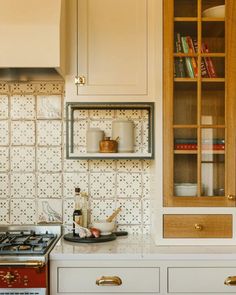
[179, 62]
[191, 49]
[208, 62]
[194, 146]
[188, 63]
[203, 66]
[194, 140]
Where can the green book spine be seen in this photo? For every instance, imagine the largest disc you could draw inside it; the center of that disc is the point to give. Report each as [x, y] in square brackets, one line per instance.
[187, 59]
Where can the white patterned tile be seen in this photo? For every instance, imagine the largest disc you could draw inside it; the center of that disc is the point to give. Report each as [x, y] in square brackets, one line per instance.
[49, 159]
[102, 185]
[23, 107]
[4, 212]
[49, 106]
[146, 229]
[50, 210]
[23, 185]
[131, 229]
[129, 185]
[4, 87]
[22, 88]
[4, 185]
[105, 125]
[101, 209]
[50, 185]
[146, 185]
[145, 132]
[23, 133]
[101, 114]
[3, 106]
[137, 132]
[50, 87]
[75, 165]
[146, 212]
[130, 211]
[23, 211]
[4, 159]
[4, 133]
[129, 166]
[68, 210]
[73, 180]
[102, 165]
[145, 114]
[49, 132]
[23, 159]
[147, 166]
[80, 129]
[129, 114]
[81, 114]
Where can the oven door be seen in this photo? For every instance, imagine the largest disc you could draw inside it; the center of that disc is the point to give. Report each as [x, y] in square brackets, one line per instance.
[21, 291]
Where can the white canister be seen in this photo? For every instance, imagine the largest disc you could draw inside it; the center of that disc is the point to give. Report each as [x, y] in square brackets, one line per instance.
[124, 129]
[93, 137]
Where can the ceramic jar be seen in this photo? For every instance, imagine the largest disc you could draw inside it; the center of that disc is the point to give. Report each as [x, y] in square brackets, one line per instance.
[124, 129]
[93, 137]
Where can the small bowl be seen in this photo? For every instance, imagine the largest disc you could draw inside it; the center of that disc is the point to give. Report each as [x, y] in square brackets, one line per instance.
[186, 189]
[216, 11]
[104, 226]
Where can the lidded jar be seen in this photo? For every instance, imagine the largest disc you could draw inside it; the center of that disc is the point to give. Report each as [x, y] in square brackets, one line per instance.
[93, 137]
[124, 129]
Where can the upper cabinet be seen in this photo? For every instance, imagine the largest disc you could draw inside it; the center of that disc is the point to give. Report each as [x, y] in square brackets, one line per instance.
[112, 48]
[200, 96]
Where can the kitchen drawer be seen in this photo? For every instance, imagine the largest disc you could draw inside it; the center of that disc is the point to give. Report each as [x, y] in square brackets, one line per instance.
[83, 280]
[200, 280]
[197, 226]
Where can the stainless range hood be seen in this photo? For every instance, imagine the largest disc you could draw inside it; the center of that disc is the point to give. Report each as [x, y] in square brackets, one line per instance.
[32, 38]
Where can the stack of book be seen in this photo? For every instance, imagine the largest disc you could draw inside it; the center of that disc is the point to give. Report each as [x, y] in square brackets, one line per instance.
[191, 144]
[188, 66]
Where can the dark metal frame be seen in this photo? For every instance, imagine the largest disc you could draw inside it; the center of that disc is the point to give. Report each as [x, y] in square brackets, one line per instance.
[71, 107]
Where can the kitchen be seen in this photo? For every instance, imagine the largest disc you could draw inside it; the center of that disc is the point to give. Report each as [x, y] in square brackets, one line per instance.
[102, 61]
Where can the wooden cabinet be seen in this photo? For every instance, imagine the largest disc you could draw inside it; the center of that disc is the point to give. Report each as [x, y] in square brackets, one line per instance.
[199, 104]
[111, 48]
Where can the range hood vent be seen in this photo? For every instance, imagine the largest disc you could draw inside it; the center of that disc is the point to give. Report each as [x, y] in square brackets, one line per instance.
[32, 34]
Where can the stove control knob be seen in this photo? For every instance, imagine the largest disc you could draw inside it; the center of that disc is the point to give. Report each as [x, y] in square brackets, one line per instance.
[9, 277]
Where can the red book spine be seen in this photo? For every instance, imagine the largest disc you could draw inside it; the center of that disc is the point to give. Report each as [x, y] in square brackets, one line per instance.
[191, 49]
[208, 62]
[193, 146]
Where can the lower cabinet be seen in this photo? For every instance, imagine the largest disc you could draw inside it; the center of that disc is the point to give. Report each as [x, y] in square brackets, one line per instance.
[143, 277]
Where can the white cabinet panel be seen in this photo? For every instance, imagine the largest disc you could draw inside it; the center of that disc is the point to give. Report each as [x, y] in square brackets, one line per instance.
[183, 280]
[83, 280]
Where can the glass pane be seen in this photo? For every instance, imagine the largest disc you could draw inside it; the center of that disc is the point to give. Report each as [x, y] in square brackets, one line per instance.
[183, 30]
[213, 104]
[185, 8]
[213, 67]
[207, 4]
[213, 162]
[185, 175]
[213, 36]
[185, 139]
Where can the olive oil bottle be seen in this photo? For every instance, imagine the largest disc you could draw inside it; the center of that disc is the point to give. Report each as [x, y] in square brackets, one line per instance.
[77, 214]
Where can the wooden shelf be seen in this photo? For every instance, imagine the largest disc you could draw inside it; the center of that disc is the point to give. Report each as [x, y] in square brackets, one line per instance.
[185, 79]
[112, 156]
[185, 19]
[213, 80]
[185, 152]
[213, 19]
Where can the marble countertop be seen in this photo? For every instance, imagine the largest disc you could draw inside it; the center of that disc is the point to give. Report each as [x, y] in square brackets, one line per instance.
[138, 247]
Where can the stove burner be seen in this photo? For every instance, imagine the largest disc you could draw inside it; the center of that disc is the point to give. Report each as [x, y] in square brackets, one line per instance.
[25, 242]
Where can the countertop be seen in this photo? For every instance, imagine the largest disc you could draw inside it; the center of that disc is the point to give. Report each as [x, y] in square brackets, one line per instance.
[138, 247]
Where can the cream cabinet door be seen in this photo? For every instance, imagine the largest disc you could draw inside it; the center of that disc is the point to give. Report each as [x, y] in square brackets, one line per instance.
[112, 47]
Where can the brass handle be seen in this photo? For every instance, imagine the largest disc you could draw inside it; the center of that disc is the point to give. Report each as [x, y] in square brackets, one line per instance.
[32, 263]
[9, 277]
[230, 281]
[231, 197]
[198, 226]
[80, 80]
[109, 281]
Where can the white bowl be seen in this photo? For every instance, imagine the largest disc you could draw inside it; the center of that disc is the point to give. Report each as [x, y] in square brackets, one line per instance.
[185, 189]
[104, 226]
[216, 11]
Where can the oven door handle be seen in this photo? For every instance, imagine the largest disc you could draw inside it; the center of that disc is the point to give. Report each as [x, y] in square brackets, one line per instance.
[26, 263]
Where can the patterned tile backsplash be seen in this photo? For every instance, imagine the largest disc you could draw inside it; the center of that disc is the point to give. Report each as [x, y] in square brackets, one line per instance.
[37, 181]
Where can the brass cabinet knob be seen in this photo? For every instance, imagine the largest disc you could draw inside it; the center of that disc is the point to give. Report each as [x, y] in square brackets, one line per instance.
[109, 281]
[198, 226]
[230, 281]
[231, 197]
[80, 80]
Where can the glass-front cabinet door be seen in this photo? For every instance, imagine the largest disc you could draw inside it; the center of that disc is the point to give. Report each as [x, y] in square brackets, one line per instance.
[199, 103]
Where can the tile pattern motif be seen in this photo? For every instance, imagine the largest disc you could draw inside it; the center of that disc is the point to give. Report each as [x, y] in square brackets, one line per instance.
[37, 181]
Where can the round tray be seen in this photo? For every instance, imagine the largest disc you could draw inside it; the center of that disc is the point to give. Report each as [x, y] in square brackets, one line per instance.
[101, 239]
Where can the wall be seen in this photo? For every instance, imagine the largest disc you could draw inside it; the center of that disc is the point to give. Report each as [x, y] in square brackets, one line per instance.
[37, 182]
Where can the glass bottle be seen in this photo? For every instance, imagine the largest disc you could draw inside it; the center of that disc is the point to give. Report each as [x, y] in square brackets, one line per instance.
[77, 214]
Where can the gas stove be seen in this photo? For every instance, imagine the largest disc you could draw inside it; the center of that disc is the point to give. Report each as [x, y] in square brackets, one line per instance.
[24, 252]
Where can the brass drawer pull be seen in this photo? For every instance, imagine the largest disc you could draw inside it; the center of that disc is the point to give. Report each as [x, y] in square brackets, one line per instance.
[231, 197]
[198, 226]
[109, 281]
[230, 281]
